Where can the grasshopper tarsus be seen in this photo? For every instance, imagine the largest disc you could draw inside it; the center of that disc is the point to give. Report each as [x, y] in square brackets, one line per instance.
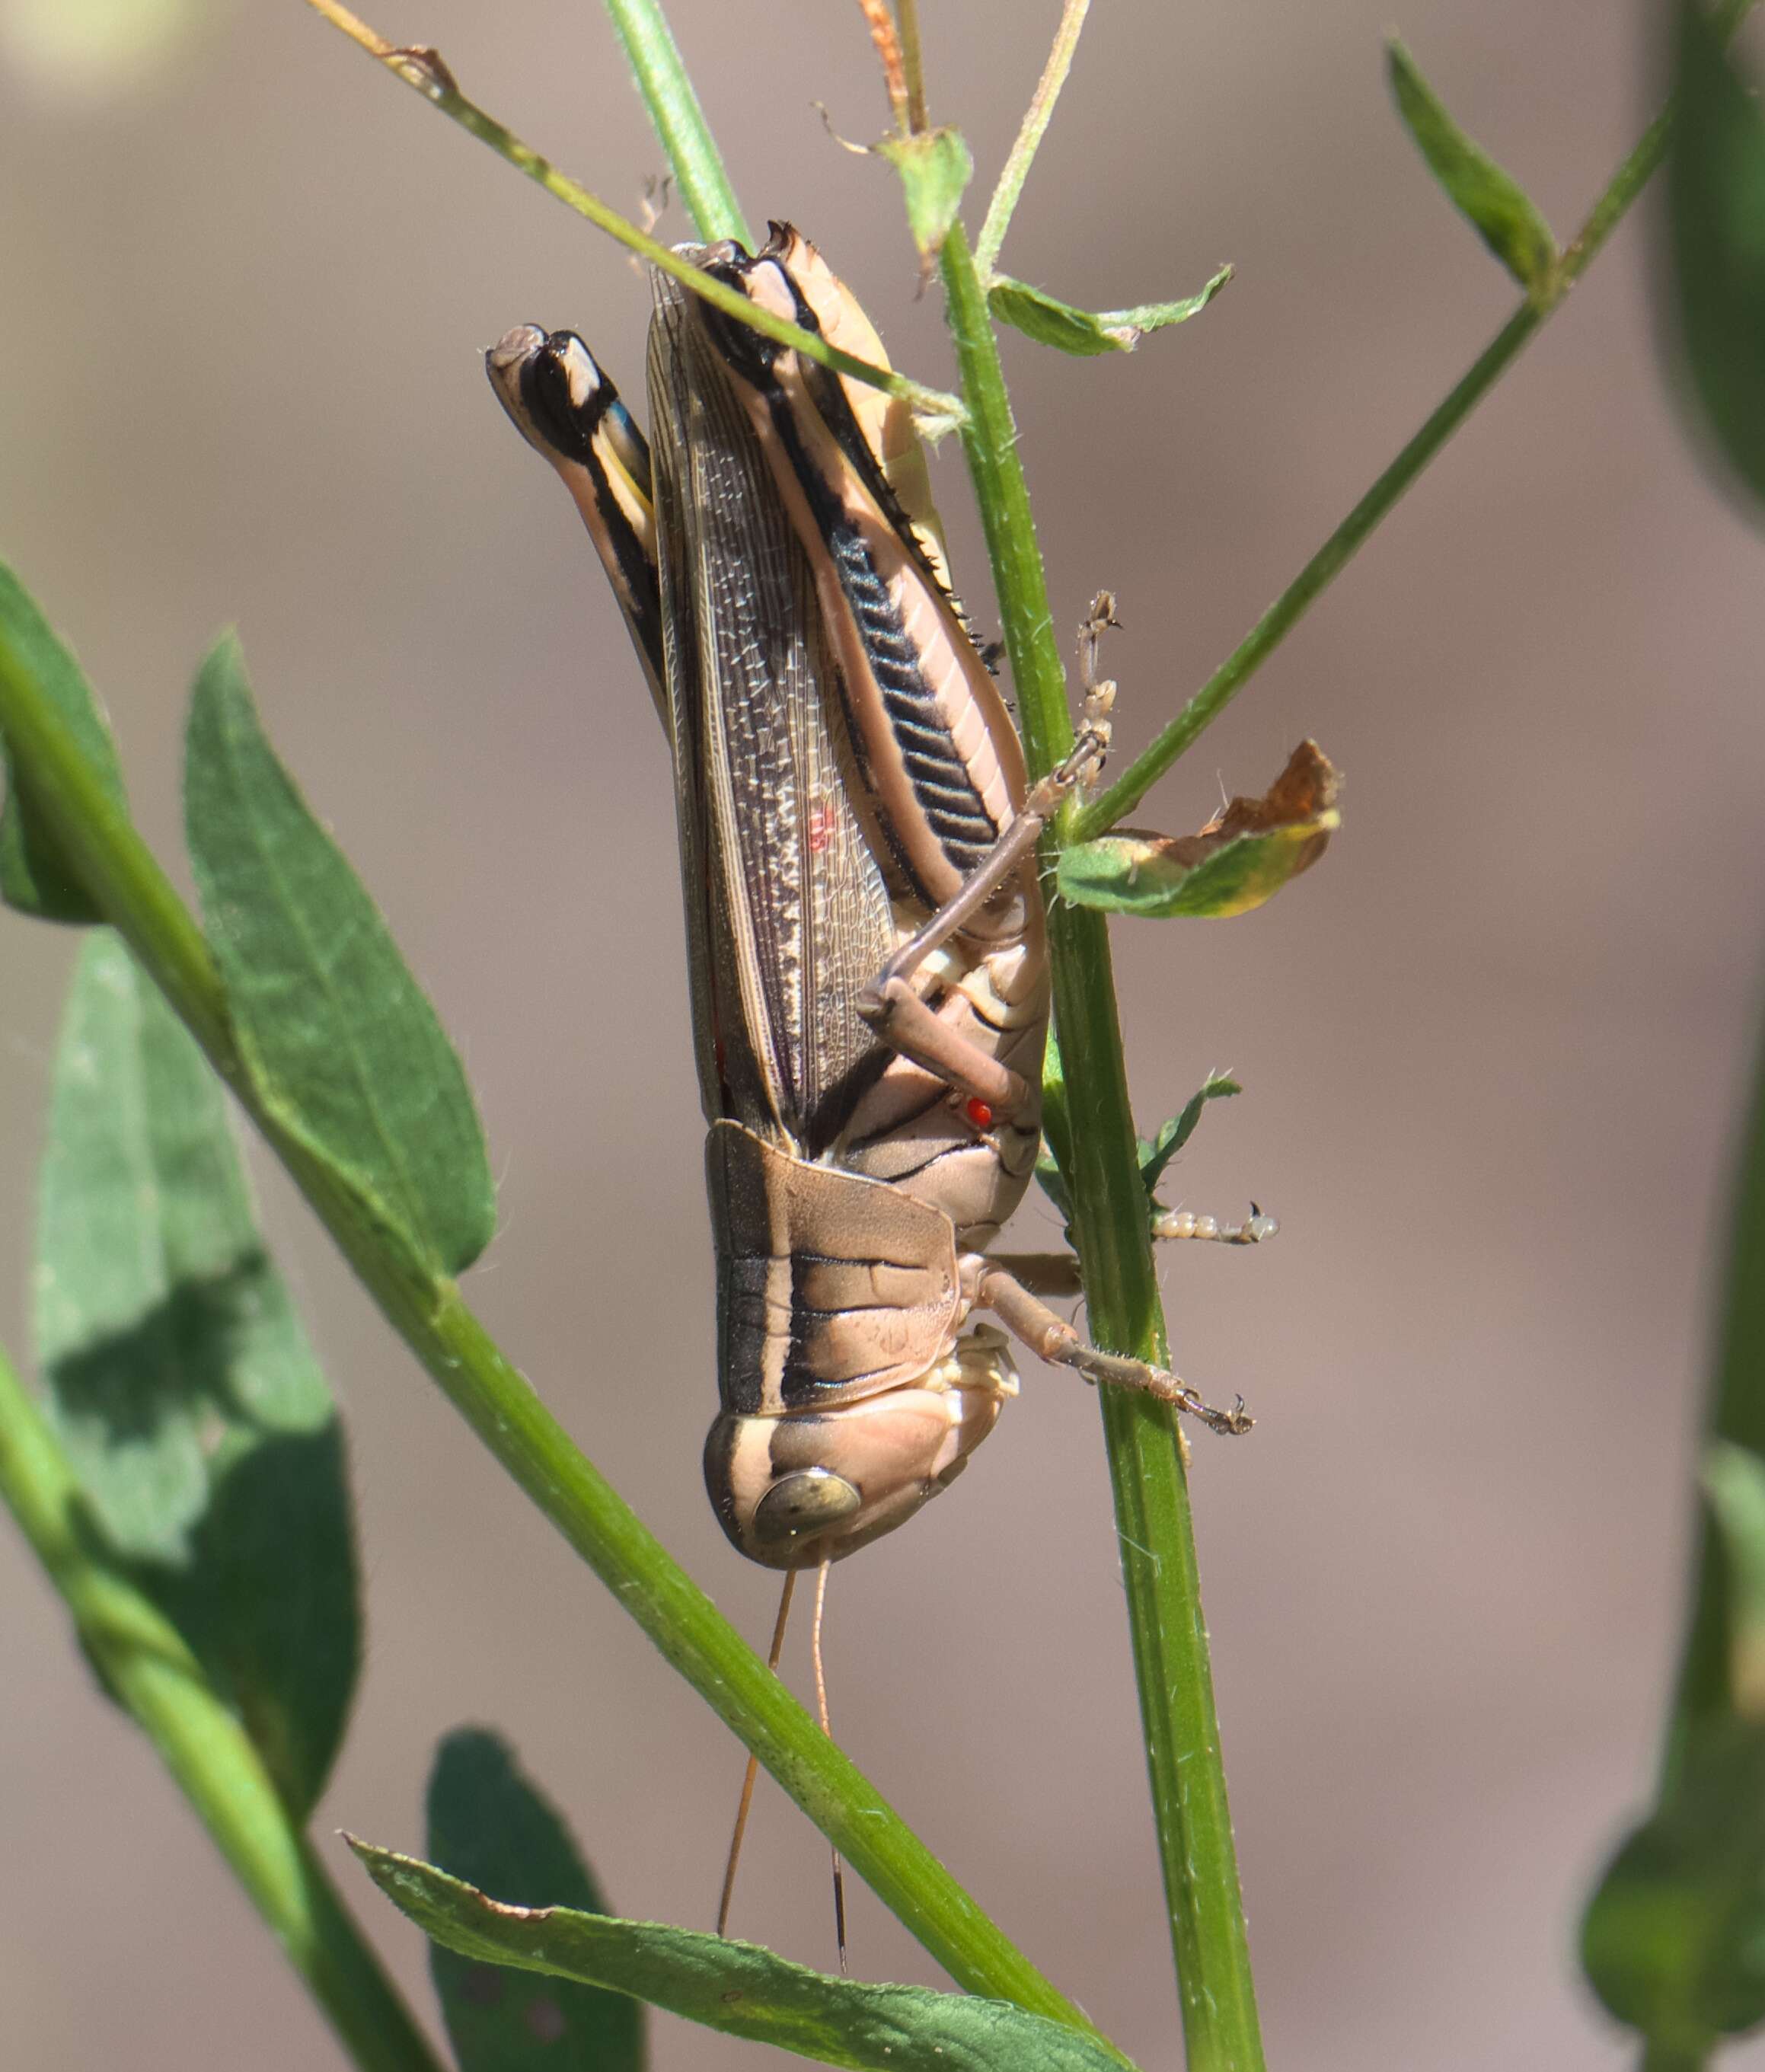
[1100, 692]
[1175, 1225]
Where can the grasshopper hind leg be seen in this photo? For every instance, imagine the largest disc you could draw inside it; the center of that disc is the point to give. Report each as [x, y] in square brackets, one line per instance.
[1052, 1338]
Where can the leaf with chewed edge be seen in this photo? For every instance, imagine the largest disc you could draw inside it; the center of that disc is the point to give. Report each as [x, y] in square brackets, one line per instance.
[342, 1047]
[737, 1987]
[35, 878]
[1240, 859]
[489, 1825]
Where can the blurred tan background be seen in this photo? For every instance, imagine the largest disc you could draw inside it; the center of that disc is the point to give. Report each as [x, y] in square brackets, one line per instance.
[1494, 1047]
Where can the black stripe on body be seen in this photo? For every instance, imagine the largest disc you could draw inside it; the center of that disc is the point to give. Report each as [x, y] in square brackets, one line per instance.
[742, 1332]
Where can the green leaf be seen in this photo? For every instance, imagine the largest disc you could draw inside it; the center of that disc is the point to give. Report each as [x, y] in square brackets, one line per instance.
[179, 1376]
[1241, 858]
[489, 1826]
[1157, 1152]
[737, 1987]
[1674, 1940]
[34, 877]
[1716, 210]
[1735, 1489]
[1499, 208]
[1154, 1152]
[1086, 333]
[935, 165]
[342, 1047]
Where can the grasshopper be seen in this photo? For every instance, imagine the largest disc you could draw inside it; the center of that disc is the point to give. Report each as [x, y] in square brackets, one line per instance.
[864, 921]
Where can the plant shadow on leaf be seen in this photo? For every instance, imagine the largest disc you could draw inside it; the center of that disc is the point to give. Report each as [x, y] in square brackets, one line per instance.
[177, 1376]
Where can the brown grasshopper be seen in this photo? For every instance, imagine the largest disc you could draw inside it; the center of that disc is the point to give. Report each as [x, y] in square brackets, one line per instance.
[864, 922]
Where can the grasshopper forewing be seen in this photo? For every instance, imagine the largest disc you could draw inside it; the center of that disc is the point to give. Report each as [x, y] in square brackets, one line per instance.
[864, 923]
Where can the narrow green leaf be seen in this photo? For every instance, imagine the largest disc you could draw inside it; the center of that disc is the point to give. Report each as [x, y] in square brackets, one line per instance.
[934, 166]
[1498, 208]
[179, 1379]
[1716, 209]
[1241, 858]
[1156, 1152]
[342, 1045]
[34, 877]
[737, 1986]
[490, 1826]
[1086, 333]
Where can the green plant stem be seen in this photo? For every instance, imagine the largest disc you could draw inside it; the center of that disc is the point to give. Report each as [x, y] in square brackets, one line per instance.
[1224, 684]
[1735, 1410]
[421, 71]
[149, 1670]
[1153, 1524]
[1023, 153]
[1664, 2058]
[121, 876]
[666, 90]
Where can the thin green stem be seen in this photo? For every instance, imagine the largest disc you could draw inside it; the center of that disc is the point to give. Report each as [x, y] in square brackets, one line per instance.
[667, 92]
[147, 1668]
[1153, 1525]
[424, 71]
[1224, 684]
[1036, 118]
[121, 876]
[989, 444]
[1666, 2057]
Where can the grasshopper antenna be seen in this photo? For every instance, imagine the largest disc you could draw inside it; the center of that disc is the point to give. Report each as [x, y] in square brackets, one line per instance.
[820, 1707]
[753, 1768]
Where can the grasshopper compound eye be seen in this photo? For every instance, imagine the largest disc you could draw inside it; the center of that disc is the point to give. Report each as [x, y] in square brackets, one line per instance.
[804, 1504]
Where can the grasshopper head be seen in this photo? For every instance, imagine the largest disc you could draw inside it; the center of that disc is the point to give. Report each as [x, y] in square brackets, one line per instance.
[813, 1484]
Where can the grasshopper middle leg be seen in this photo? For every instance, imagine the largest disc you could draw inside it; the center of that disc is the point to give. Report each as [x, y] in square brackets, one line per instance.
[895, 1009]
